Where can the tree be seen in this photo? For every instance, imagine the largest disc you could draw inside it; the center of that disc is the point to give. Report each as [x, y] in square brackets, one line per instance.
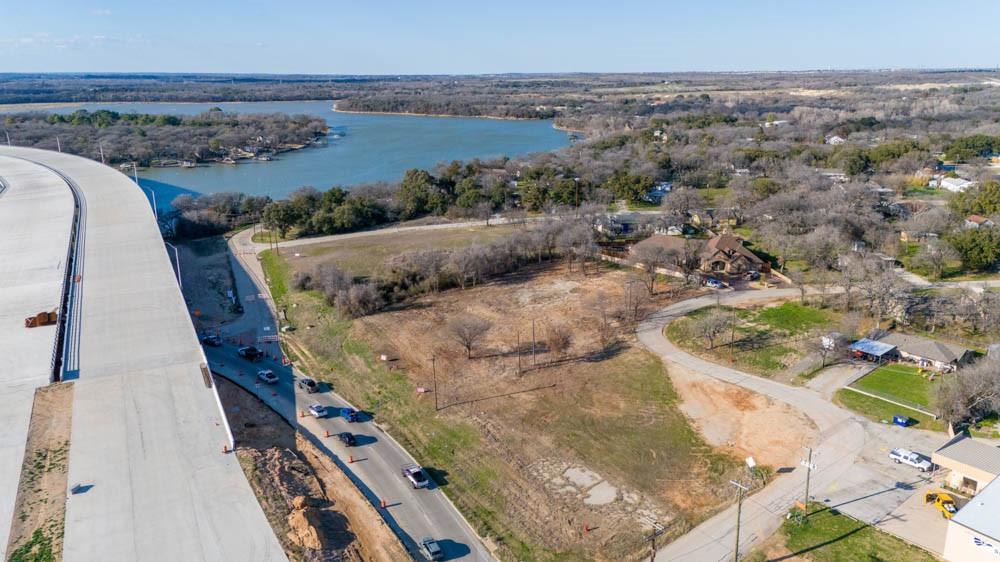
[682, 200]
[934, 257]
[468, 330]
[711, 326]
[630, 187]
[279, 216]
[978, 248]
[971, 393]
[651, 257]
[414, 194]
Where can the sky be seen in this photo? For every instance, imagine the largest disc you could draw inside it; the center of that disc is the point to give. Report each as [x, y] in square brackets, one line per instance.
[480, 37]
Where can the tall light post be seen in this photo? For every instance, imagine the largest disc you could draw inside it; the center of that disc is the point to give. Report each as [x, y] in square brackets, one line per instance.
[177, 260]
[135, 176]
[8, 137]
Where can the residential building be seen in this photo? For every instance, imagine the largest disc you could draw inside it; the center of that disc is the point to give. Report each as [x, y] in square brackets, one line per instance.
[928, 353]
[955, 185]
[976, 221]
[971, 464]
[724, 253]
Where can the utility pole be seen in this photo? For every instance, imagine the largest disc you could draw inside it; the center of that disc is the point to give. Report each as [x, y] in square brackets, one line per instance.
[519, 352]
[739, 511]
[532, 342]
[58, 145]
[807, 462]
[434, 377]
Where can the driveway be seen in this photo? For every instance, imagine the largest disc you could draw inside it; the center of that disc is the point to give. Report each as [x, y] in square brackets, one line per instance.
[850, 453]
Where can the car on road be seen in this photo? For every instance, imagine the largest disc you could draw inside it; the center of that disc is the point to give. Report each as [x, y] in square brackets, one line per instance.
[347, 438]
[211, 340]
[916, 460]
[431, 549]
[349, 414]
[308, 385]
[943, 502]
[317, 411]
[267, 376]
[250, 352]
[416, 476]
[714, 283]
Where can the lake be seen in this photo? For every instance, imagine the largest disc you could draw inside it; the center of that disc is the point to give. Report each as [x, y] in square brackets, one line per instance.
[371, 148]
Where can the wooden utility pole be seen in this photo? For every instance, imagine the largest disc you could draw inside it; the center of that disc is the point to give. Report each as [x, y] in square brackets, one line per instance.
[808, 464]
[435, 379]
[532, 342]
[519, 352]
[651, 539]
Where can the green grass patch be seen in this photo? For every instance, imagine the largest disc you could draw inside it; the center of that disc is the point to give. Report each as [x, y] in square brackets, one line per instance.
[903, 383]
[642, 206]
[278, 274]
[925, 192]
[37, 549]
[829, 536]
[267, 236]
[879, 410]
[793, 317]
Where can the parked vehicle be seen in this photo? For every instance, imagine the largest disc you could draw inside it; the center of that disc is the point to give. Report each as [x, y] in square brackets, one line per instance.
[416, 476]
[250, 352]
[267, 376]
[308, 385]
[431, 548]
[751, 275]
[347, 438]
[349, 414]
[211, 340]
[916, 460]
[714, 283]
[943, 502]
[317, 410]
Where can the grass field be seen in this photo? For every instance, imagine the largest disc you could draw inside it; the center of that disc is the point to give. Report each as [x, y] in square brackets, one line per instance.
[882, 411]
[902, 383]
[768, 339]
[278, 274]
[828, 536]
[365, 255]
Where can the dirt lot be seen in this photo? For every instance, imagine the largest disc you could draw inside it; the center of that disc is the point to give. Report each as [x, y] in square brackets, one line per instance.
[574, 455]
[205, 270]
[40, 509]
[315, 511]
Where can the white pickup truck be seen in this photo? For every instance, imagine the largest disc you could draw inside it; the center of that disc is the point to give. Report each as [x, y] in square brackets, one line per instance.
[916, 460]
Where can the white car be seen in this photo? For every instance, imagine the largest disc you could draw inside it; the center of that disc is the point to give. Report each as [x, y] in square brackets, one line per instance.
[267, 376]
[317, 411]
[916, 460]
[415, 475]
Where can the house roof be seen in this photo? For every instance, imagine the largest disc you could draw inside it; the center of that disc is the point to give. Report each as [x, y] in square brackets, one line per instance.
[970, 452]
[731, 246]
[872, 347]
[980, 514]
[926, 348]
[978, 219]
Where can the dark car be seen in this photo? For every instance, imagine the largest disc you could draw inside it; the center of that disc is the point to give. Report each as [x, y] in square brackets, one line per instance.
[308, 385]
[250, 352]
[211, 340]
[349, 414]
[347, 438]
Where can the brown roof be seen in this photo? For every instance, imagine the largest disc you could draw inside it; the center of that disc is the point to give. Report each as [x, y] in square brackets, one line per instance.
[976, 219]
[730, 246]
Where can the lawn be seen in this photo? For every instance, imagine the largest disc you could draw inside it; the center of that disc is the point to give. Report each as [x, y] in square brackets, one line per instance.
[768, 339]
[882, 411]
[902, 383]
[829, 536]
[277, 272]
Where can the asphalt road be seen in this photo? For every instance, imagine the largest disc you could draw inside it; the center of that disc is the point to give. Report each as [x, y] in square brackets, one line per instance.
[413, 514]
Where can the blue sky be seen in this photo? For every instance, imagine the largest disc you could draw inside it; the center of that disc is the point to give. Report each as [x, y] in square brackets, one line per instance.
[453, 37]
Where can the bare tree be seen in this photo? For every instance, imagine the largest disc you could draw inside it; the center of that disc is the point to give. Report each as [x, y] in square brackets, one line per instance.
[935, 257]
[971, 393]
[468, 330]
[650, 258]
[711, 326]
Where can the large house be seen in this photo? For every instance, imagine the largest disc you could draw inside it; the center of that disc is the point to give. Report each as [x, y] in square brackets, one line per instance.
[724, 253]
[932, 354]
[971, 464]
[977, 221]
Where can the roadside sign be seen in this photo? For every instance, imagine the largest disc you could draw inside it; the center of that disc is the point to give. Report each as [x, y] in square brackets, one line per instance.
[751, 462]
[807, 464]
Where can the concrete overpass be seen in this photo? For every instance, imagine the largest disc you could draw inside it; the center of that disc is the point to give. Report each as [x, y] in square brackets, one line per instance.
[147, 426]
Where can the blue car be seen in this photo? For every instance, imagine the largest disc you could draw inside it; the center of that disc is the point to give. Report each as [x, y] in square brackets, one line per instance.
[349, 414]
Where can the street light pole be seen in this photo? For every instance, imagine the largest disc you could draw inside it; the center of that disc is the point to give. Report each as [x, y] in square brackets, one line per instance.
[739, 511]
[8, 137]
[177, 260]
[435, 378]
